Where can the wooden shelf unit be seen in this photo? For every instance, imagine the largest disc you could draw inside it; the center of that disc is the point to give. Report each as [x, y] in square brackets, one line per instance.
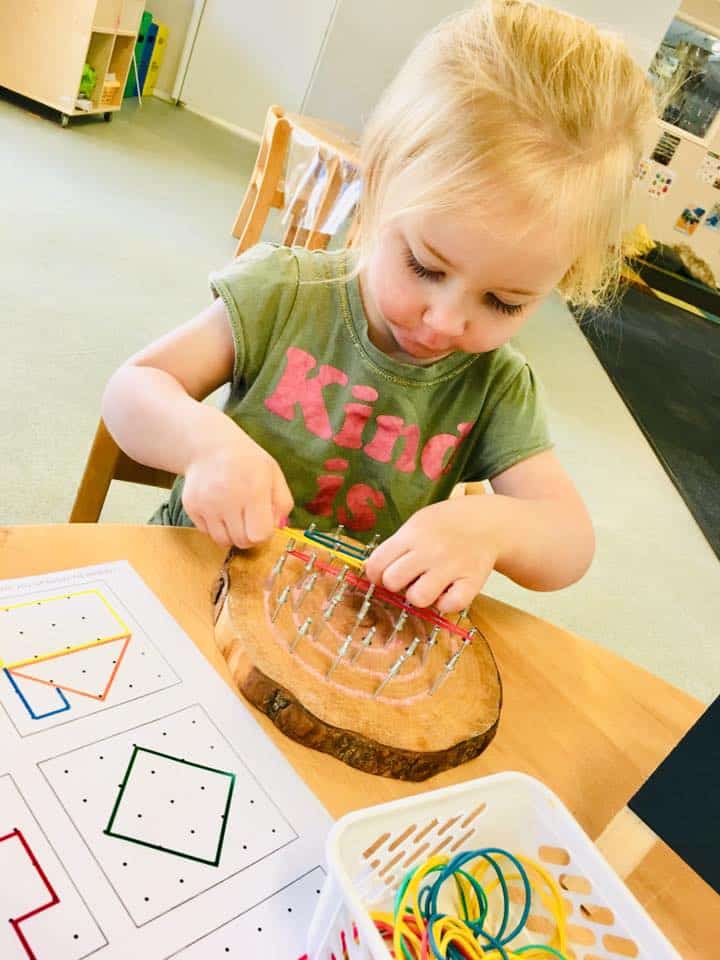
[45, 45]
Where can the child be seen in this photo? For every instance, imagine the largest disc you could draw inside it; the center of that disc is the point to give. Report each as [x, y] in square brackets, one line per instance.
[365, 385]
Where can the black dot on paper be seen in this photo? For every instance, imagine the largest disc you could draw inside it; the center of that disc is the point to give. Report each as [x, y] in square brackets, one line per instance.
[130, 685]
[152, 771]
[202, 788]
[192, 831]
[82, 618]
[67, 771]
[227, 949]
[317, 891]
[244, 846]
[146, 899]
[52, 625]
[289, 909]
[142, 653]
[252, 801]
[114, 661]
[164, 733]
[139, 816]
[102, 757]
[259, 929]
[76, 936]
[172, 801]
[83, 671]
[181, 880]
[84, 799]
[125, 864]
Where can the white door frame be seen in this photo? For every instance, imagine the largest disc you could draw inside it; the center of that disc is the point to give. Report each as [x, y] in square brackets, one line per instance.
[191, 37]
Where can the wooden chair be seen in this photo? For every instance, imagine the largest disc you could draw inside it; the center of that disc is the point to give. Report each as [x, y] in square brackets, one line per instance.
[310, 171]
[106, 463]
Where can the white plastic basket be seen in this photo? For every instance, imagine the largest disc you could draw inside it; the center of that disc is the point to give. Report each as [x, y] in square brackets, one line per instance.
[370, 851]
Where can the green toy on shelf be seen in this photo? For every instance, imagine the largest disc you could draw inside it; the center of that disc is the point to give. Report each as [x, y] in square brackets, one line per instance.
[87, 81]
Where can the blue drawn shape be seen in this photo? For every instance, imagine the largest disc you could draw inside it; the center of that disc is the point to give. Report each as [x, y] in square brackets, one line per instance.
[26, 703]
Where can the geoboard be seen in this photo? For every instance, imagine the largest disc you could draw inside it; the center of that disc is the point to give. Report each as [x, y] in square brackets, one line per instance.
[129, 766]
[346, 666]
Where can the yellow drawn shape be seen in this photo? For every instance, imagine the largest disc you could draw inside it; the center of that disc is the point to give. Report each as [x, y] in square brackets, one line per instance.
[125, 630]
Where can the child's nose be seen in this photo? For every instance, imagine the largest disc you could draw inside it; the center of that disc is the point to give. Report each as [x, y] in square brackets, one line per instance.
[446, 320]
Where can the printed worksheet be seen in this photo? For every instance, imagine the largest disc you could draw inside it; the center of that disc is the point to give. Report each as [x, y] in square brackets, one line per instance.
[143, 811]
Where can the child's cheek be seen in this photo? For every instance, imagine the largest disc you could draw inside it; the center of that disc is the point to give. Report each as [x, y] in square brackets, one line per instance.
[399, 303]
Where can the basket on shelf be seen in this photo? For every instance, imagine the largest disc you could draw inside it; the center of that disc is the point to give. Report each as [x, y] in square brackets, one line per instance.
[108, 97]
[370, 851]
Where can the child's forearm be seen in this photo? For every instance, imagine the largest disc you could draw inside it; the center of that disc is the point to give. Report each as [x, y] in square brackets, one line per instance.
[542, 544]
[155, 421]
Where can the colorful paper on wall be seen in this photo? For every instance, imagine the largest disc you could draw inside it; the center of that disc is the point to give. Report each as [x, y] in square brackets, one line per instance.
[709, 171]
[660, 182]
[712, 220]
[689, 219]
[642, 170]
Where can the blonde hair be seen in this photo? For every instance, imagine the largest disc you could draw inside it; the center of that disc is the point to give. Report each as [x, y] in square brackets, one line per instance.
[511, 93]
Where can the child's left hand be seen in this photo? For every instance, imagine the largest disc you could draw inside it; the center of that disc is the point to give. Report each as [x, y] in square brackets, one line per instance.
[443, 554]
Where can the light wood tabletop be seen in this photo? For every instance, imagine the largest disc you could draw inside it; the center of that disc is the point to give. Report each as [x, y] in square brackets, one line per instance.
[589, 724]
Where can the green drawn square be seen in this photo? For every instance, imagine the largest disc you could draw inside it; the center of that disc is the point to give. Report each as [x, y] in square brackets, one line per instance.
[144, 754]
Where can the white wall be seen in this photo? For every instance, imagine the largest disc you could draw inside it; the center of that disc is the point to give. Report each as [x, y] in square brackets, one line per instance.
[364, 47]
[368, 41]
[248, 55]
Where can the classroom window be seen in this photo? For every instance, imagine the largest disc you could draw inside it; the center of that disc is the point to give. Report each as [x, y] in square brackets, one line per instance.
[686, 75]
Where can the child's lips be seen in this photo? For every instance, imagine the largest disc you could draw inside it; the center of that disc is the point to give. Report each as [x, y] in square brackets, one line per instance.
[416, 347]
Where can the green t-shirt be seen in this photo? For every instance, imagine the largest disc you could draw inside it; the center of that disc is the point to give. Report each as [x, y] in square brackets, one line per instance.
[363, 439]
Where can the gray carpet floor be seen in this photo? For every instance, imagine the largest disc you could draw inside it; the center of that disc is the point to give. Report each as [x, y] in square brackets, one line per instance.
[108, 234]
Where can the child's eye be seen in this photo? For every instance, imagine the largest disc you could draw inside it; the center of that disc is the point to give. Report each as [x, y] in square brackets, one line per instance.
[497, 304]
[432, 275]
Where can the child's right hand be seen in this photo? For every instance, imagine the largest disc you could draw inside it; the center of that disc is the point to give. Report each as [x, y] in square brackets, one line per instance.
[234, 490]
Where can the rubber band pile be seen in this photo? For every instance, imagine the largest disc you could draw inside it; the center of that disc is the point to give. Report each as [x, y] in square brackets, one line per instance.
[419, 929]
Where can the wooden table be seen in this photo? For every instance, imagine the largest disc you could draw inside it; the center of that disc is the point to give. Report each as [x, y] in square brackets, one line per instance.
[589, 724]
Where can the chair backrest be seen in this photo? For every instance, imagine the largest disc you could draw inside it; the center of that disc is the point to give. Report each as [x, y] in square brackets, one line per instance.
[309, 170]
[106, 463]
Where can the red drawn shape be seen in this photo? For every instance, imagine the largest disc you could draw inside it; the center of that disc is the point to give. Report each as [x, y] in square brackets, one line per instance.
[54, 899]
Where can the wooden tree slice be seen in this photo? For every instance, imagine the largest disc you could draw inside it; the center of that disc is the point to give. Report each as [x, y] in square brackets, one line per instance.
[405, 732]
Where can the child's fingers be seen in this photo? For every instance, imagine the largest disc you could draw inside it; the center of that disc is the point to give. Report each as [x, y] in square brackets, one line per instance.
[282, 498]
[218, 531]
[259, 520]
[458, 596]
[402, 571]
[427, 588]
[236, 528]
[381, 557]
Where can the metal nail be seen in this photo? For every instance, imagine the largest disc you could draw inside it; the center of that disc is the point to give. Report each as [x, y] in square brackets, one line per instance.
[364, 643]
[448, 668]
[302, 632]
[391, 673]
[397, 627]
[284, 594]
[276, 569]
[344, 647]
[305, 589]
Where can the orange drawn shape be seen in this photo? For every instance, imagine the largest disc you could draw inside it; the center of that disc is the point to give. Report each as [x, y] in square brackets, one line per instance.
[60, 686]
